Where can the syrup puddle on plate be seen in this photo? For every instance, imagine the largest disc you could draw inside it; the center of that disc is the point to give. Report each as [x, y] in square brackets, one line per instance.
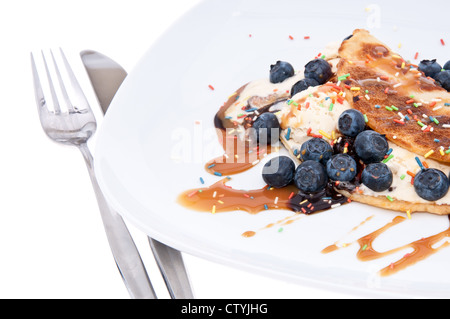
[421, 248]
[221, 198]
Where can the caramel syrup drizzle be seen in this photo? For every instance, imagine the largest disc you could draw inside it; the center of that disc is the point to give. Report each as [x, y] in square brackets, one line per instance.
[282, 222]
[220, 197]
[422, 248]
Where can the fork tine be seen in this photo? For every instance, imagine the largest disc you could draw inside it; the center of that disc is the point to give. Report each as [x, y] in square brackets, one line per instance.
[56, 107]
[61, 83]
[38, 92]
[74, 82]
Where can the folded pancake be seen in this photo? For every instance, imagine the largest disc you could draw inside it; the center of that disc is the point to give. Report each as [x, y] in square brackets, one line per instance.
[361, 63]
[399, 100]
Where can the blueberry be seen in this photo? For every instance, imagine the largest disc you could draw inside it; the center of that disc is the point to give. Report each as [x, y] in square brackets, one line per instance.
[279, 171]
[303, 85]
[341, 167]
[430, 67]
[310, 177]
[443, 78]
[316, 149]
[280, 71]
[351, 122]
[371, 146]
[377, 176]
[266, 128]
[447, 66]
[431, 184]
[319, 70]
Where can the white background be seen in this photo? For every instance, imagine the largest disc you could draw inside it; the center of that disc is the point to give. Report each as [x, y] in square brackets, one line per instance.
[52, 243]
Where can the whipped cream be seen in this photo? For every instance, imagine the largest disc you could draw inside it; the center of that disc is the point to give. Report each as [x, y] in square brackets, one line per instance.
[314, 111]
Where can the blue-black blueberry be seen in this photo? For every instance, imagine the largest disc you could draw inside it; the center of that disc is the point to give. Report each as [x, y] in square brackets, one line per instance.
[446, 65]
[302, 85]
[280, 71]
[310, 177]
[377, 176]
[371, 146]
[319, 70]
[279, 171]
[430, 67]
[316, 149]
[431, 184]
[341, 167]
[443, 78]
[266, 128]
[351, 122]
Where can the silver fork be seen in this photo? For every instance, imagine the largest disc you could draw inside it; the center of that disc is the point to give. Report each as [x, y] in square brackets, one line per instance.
[74, 125]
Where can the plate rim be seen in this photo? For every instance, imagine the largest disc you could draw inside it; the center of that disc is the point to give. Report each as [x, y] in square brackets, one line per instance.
[188, 248]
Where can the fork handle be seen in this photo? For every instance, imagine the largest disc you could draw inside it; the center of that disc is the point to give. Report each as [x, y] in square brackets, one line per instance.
[123, 248]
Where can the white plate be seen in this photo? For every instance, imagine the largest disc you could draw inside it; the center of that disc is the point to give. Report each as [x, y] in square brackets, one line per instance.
[226, 44]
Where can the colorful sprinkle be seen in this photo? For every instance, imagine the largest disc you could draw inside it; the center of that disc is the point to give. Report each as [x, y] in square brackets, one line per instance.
[343, 77]
[419, 162]
[388, 158]
[324, 134]
[192, 194]
[288, 134]
[428, 154]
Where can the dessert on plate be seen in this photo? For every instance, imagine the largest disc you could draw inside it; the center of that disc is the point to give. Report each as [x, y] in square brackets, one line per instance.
[359, 121]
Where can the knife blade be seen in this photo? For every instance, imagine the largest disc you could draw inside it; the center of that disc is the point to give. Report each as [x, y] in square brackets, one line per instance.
[106, 77]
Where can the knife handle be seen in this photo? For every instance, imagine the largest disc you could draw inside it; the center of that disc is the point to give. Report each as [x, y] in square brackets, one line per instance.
[171, 266]
[123, 248]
